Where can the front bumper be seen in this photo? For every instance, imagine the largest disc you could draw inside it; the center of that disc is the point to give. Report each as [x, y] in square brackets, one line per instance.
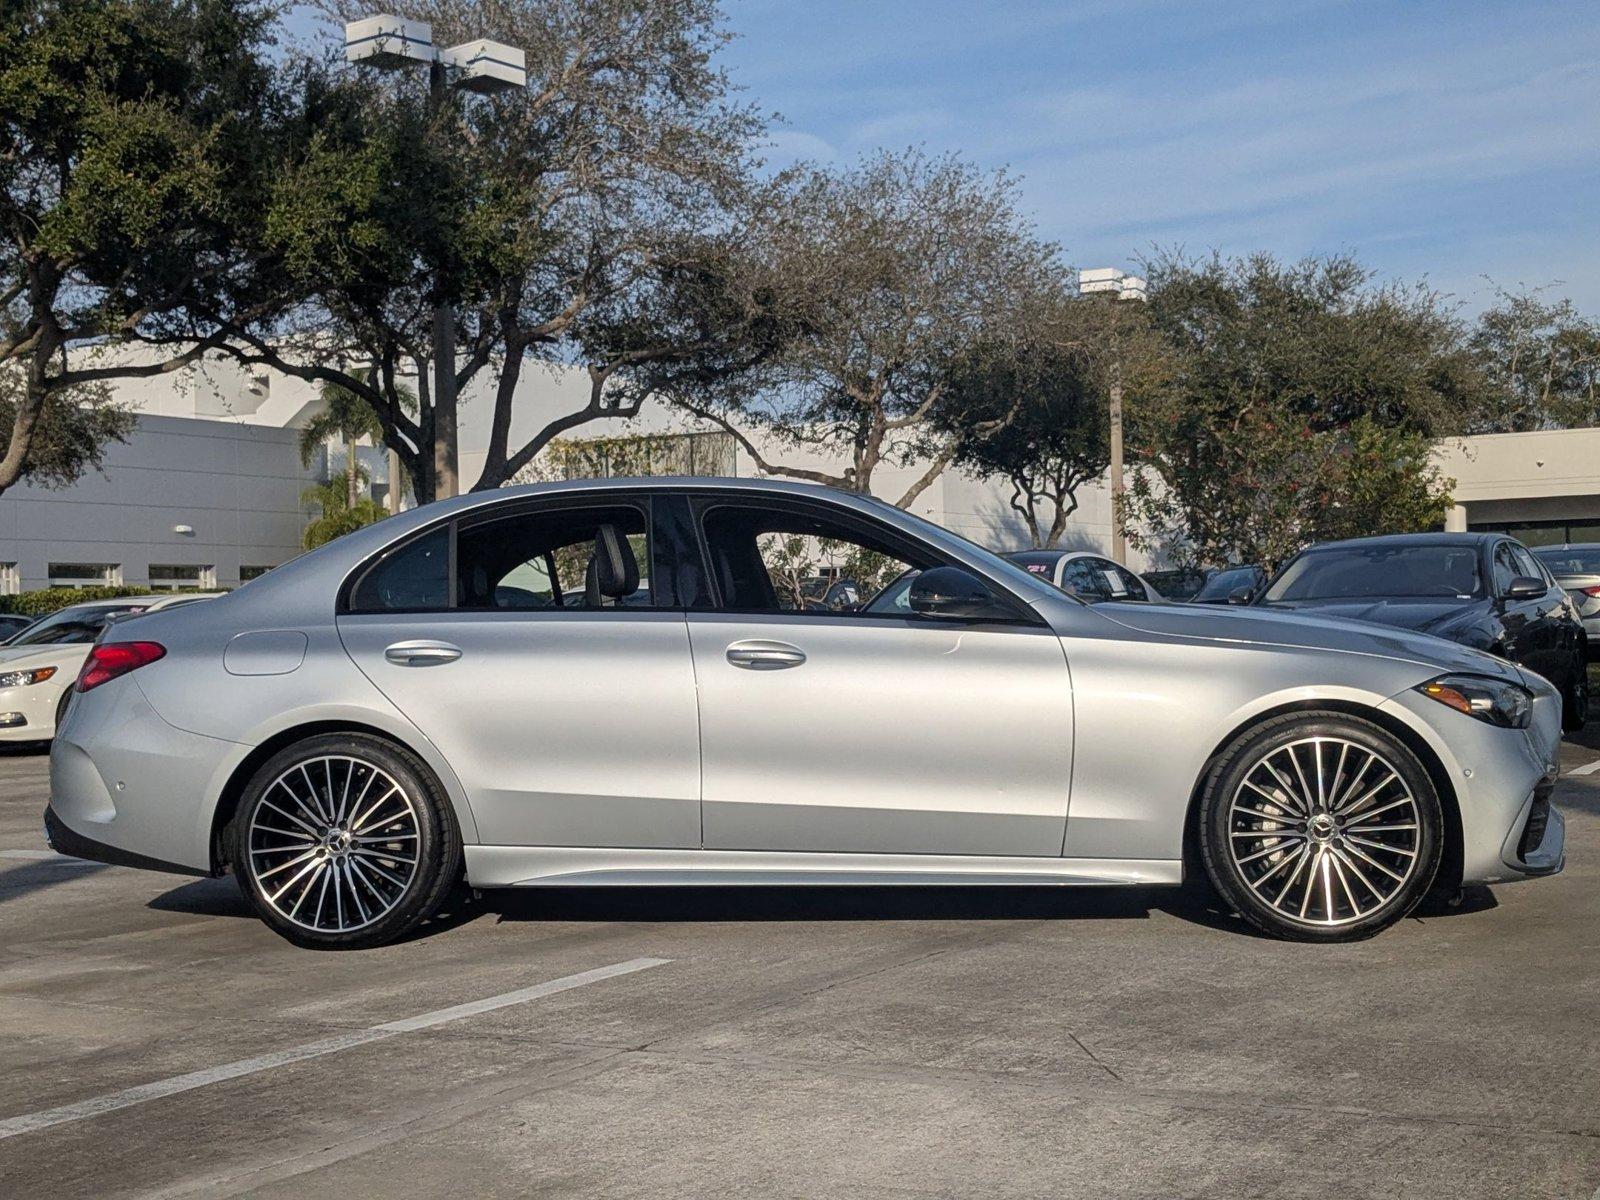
[31, 709]
[1502, 780]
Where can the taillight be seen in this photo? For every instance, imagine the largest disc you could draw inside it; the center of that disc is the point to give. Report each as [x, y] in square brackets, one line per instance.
[107, 661]
[1591, 591]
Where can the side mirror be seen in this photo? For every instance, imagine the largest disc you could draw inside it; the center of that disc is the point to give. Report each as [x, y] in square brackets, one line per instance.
[1525, 587]
[952, 592]
[1241, 595]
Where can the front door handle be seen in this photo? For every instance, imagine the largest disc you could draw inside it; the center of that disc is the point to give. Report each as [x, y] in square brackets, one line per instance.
[421, 654]
[765, 656]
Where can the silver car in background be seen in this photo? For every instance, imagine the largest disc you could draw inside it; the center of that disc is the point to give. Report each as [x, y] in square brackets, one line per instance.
[1577, 569]
[484, 690]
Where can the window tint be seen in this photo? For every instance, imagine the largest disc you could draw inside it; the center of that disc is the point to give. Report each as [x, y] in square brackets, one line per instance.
[1081, 578]
[417, 576]
[1505, 568]
[1224, 583]
[1356, 572]
[1571, 560]
[71, 625]
[1528, 565]
[1127, 586]
[896, 598]
[773, 560]
[532, 560]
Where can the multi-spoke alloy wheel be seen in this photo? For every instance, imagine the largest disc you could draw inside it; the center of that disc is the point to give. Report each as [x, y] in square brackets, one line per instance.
[1322, 828]
[344, 841]
[333, 843]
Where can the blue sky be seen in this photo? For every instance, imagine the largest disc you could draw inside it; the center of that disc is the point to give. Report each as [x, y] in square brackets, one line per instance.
[1446, 140]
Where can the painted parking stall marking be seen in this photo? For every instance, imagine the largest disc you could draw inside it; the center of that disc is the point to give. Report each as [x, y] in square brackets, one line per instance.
[128, 1097]
[1586, 769]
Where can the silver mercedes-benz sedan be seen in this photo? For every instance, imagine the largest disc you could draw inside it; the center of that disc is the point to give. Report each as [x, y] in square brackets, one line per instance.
[618, 682]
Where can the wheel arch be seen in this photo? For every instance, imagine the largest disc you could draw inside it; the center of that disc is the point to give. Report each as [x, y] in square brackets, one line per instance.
[1450, 862]
[233, 789]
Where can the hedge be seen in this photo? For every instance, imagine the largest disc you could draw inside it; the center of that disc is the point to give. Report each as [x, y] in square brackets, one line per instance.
[47, 600]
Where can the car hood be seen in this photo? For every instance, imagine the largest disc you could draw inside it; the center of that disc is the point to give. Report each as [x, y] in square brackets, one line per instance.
[1422, 615]
[62, 654]
[1268, 627]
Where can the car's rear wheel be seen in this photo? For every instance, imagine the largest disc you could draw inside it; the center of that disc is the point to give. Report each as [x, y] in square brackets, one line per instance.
[1320, 827]
[344, 841]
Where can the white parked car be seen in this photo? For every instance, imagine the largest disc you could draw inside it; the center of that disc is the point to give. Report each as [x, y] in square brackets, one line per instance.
[1091, 577]
[38, 665]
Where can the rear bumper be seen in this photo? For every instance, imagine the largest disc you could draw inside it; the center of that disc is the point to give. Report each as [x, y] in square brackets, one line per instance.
[61, 838]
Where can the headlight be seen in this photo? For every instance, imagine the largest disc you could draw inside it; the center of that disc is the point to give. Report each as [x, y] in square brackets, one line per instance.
[1491, 700]
[22, 678]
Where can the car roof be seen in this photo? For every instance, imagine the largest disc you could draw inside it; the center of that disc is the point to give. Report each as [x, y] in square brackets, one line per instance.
[1397, 541]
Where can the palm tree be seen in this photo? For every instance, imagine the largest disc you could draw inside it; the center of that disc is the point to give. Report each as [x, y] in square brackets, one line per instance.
[348, 417]
[343, 508]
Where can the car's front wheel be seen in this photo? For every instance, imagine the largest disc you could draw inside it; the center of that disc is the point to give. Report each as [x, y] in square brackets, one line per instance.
[1320, 827]
[1575, 697]
[344, 841]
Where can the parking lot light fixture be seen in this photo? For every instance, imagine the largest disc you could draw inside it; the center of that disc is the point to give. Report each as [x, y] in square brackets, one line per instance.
[482, 66]
[1118, 285]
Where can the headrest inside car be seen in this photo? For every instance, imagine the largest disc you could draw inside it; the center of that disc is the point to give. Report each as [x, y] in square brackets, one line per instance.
[613, 571]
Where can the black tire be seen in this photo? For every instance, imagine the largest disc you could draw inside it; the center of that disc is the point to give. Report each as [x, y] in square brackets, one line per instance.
[416, 811]
[61, 709]
[1281, 845]
[1575, 698]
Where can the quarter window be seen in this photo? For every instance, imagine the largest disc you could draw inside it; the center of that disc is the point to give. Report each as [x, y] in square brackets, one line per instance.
[414, 578]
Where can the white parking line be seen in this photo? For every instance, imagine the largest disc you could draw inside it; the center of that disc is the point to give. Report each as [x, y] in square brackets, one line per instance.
[49, 856]
[96, 1105]
[1586, 769]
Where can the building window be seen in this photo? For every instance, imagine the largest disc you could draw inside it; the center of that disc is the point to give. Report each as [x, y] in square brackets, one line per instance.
[1544, 533]
[10, 579]
[181, 577]
[246, 574]
[82, 575]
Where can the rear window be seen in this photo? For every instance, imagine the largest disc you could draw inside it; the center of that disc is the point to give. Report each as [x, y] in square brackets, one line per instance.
[71, 626]
[1570, 560]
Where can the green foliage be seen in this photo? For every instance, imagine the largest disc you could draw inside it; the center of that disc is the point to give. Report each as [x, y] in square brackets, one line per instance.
[1301, 403]
[1542, 359]
[337, 516]
[131, 139]
[43, 601]
[74, 427]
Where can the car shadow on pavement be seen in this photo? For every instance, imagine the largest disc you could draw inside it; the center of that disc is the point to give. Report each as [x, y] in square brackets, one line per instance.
[24, 749]
[712, 905]
[25, 878]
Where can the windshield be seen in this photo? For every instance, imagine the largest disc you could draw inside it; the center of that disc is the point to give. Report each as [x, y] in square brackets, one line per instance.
[1390, 572]
[1224, 583]
[71, 625]
[1570, 560]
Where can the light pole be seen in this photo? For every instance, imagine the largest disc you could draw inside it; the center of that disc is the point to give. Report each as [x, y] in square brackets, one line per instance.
[393, 43]
[1119, 286]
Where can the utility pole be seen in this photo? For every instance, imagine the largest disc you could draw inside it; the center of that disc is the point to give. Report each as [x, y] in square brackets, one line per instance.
[1119, 286]
[393, 43]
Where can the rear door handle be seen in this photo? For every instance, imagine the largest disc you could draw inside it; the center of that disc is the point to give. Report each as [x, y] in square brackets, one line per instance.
[421, 654]
[765, 656]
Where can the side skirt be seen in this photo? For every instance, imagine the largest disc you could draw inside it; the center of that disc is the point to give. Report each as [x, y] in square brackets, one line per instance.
[582, 866]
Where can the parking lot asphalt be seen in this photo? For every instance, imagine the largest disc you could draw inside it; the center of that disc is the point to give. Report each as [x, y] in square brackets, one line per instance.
[157, 1040]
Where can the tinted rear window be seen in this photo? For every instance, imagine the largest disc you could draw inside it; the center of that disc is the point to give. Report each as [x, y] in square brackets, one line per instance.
[1571, 560]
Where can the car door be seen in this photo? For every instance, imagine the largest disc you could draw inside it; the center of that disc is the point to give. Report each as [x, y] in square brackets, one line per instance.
[568, 714]
[1518, 617]
[1553, 634]
[885, 732]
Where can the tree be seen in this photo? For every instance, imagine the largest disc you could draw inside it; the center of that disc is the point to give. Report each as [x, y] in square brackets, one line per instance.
[548, 218]
[70, 432]
[1056, 378]
[879, 280]
[341, 508]
[126, 131]
[1287, 379]
[1542, 359]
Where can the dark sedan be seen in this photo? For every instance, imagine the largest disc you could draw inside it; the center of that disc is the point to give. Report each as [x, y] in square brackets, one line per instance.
[1482, 590]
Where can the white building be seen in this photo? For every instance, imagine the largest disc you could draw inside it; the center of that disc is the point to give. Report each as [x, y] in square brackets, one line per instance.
[1543, 488]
